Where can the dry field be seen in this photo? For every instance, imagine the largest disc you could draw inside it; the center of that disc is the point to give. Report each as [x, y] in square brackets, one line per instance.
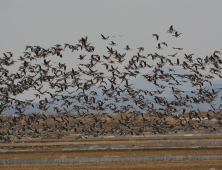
[174, 165]
[129, 151]
[111, 123]
[28, 150]
[101, 142]
[113, 153]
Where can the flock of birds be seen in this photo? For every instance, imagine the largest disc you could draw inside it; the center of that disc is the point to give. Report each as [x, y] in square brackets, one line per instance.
[83, 111]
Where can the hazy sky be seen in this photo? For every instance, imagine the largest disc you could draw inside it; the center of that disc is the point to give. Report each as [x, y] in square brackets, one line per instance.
[49, 22]
[45, 23]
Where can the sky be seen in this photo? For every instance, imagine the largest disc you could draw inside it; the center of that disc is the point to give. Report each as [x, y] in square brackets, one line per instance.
[49, 22]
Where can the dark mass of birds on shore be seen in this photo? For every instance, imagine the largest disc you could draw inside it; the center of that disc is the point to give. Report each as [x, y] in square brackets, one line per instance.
[84, 112]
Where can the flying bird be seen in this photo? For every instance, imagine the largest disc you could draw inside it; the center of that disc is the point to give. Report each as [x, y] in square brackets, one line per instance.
[104, 38]
[157, 36]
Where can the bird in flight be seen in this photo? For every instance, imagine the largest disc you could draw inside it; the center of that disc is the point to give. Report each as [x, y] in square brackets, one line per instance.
[164, 43]
[159, 47]
[173, 55]
[127, 48]
[176, 34]
[157, 36]
[113, 44]
[104, 38]
[178, 48]
[171, 30]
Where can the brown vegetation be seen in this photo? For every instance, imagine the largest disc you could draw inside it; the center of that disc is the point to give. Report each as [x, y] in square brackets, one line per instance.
[174, 165]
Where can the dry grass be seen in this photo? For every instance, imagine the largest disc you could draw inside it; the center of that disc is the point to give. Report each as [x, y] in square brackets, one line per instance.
[35, 142]
[124, 138]
[174, 165]
[113, 153]
[110, 123]
[31, 145]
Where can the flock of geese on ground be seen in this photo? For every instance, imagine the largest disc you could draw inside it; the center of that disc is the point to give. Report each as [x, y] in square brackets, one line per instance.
[87, 112]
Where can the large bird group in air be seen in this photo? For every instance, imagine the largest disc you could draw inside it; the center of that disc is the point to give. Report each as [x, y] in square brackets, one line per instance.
[118, 108]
